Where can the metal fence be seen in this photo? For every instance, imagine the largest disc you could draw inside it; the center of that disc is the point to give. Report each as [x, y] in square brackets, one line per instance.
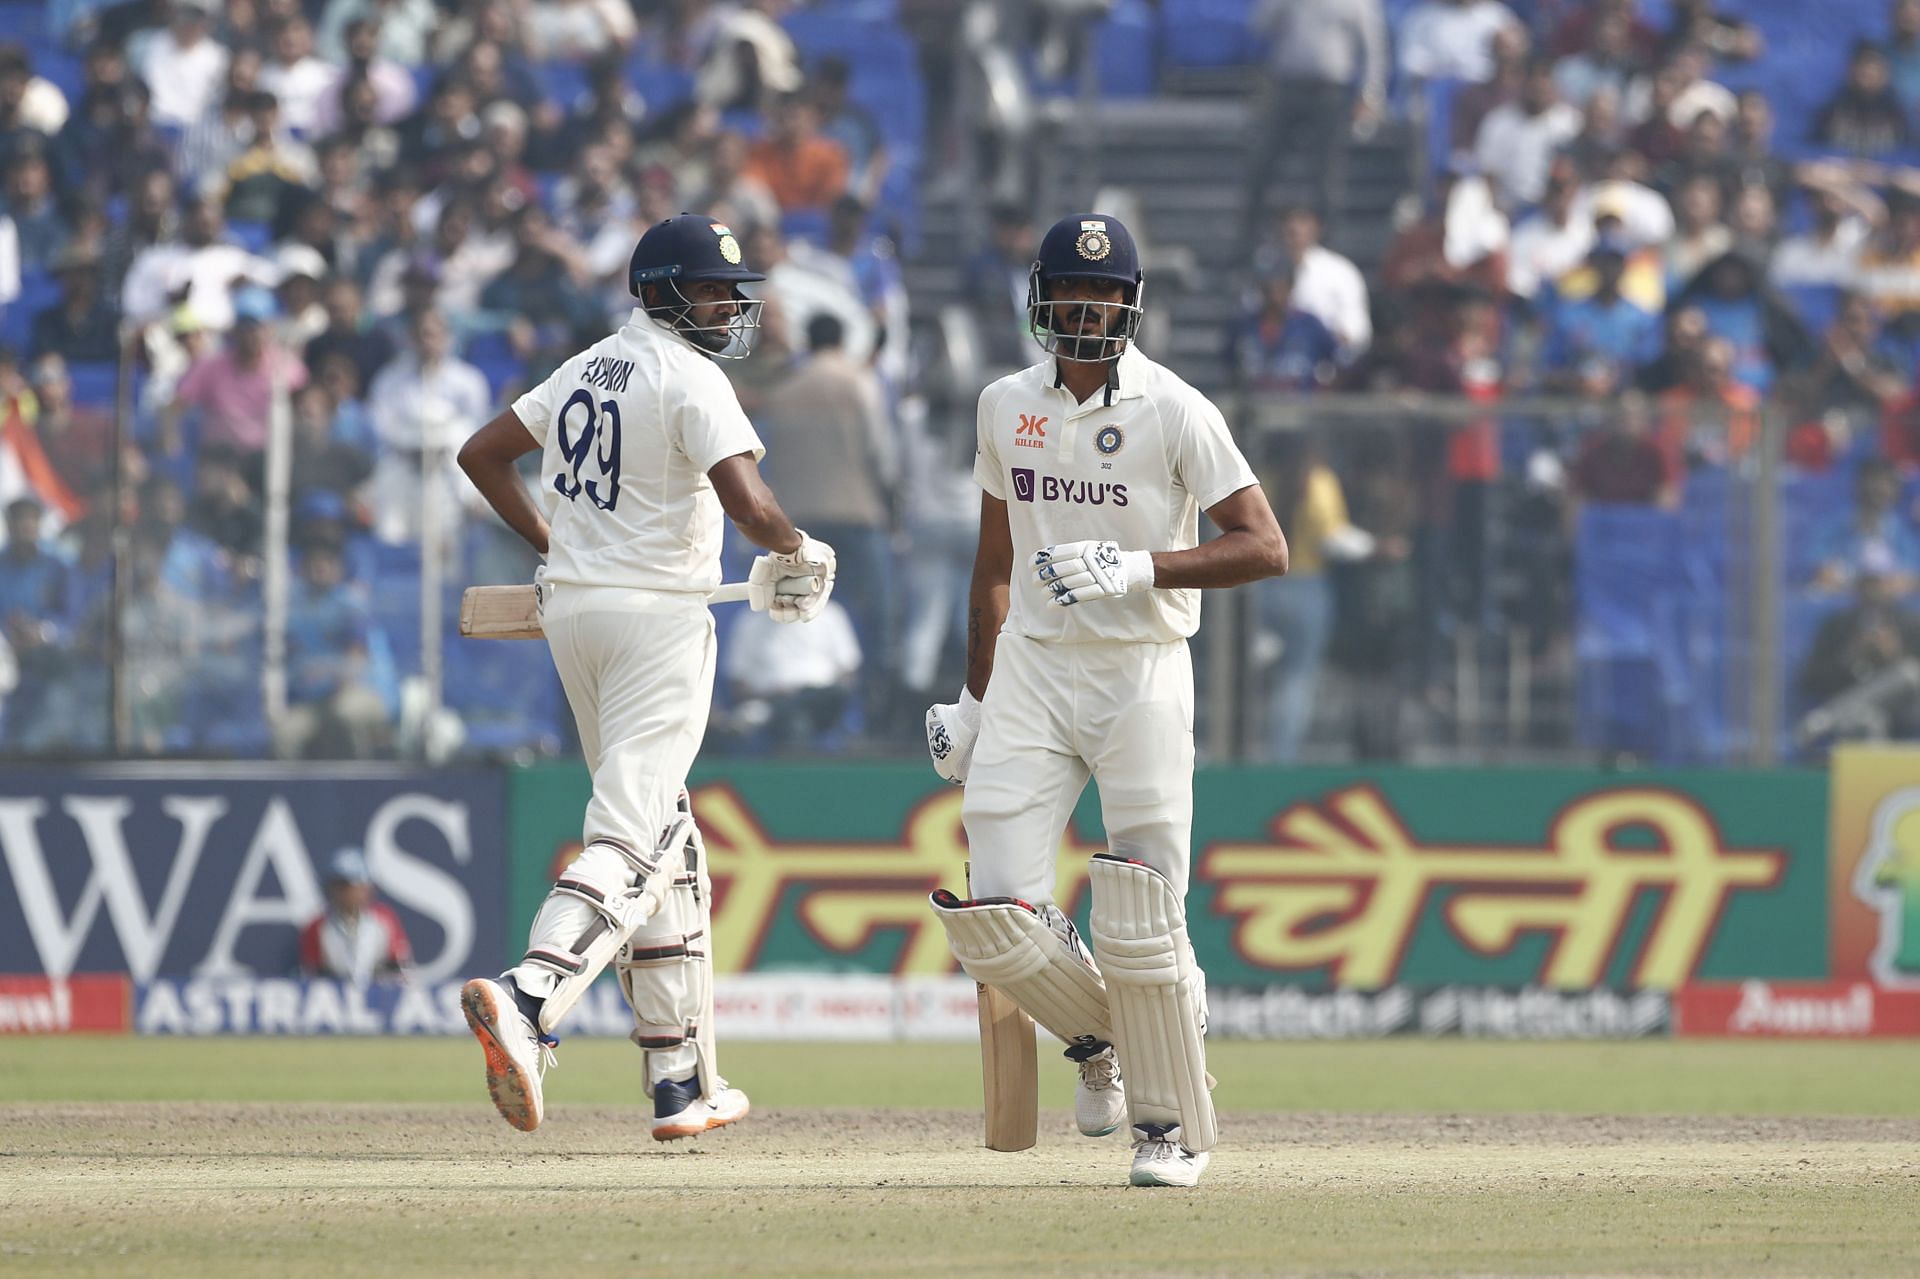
[1475, 581]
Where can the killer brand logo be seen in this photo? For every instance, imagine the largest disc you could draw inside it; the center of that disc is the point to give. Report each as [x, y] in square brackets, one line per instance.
[1031, 433]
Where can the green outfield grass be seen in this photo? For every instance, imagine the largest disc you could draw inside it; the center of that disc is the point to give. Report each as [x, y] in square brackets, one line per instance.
[1696, 1077]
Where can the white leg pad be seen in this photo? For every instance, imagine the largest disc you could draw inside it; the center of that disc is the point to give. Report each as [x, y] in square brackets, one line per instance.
[1138, 928]
[666, 971]
[594, 906]
[1035, 959]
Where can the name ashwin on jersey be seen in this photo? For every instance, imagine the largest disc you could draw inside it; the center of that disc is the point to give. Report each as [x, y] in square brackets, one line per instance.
[605, 373]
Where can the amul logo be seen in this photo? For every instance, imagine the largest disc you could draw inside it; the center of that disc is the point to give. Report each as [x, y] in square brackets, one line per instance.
[1031, 433]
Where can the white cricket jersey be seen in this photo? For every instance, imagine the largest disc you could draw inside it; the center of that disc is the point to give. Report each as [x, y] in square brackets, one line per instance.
[1137, 471]
[629, 429]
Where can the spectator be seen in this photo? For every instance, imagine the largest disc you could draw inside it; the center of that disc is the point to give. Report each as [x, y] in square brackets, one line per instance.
[836, 469]
[321, 461]
[108, 145]
[1699, 235]
[194, 565]
[1299, 608]
[76, 439]
[225, 509]
[29, 104]
[576, 30]
[1754, 222]
[1889, 270]
[1326, 75]
[297, 79]
[1622, 464]
[347, 333]
[1606, 65]
[1875, 538]
[161, 630]
[540, 293]
[1765, 335]
[25, 469]
[150, 220]
[734, 191]
[404, 28]
[1326, 285]
[1452, 39]
[803, 169]
[750, 59]
[1576, 32]
[872, 267]
[795, 683]
[846, 122]
[332, 712]
[212, 142]
[423, 404]
[81, 326]
[1754, 159]
[394, 91]
[39, 225]
[303, 318]
[1727, 37]
[356, 939]
[1277, 347]
[1594, 344]
[1685, 333]
[1554, 240]
[197, 273]
[995, 280]
[184, 66]
[1460, 245]
[1663, 106]
[233, 388]
[1903, 51]
[1863, 673]
[1620, 192]
[1704, 152]
[1865, 117]
[1517, 142]
[1710, 418]
[33, 604]
[1472, 103]
[1828, 253]
[273, 172]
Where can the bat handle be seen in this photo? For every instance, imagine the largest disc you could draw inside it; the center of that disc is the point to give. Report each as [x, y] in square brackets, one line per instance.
[735, 592]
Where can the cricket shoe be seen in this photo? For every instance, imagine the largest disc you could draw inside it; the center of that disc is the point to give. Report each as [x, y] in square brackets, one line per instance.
[1160, 1160]
[680, 1111]
[1100, 1100]
[518, 1055]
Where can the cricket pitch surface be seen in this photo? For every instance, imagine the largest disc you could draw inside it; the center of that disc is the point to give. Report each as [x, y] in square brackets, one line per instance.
[287, 1189]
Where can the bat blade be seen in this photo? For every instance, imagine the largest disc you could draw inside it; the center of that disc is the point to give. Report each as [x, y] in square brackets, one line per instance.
[1010, 1073]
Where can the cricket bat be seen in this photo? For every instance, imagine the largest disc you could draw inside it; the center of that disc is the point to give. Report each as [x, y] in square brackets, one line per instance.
[1009, 1072]
[513, 612]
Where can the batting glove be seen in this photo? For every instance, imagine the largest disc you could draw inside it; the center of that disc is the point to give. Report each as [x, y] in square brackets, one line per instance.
[952, 729]
[1074, 572]
[812, 559]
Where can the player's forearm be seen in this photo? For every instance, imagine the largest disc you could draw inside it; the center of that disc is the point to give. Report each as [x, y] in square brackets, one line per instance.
[768, 528]
[1235, 558]
[987, 603]
[499, 482]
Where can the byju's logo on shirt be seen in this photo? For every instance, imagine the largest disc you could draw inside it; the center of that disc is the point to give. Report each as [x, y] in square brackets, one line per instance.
[1028, 487]
[1031, 433]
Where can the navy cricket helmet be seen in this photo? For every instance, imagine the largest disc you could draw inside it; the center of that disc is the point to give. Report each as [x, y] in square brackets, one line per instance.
[1085, 246]
[691, 248]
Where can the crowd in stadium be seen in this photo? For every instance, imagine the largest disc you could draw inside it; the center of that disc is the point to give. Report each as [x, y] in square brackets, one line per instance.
[402, 211]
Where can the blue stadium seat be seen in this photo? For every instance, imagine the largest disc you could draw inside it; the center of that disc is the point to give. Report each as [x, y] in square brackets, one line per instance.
[38, 291]
[507, 695]
[1631, 592]
[254, 237]
[95, 384]
[1815, 304]
[1207, 33]
[493, 355]
[1123, 50]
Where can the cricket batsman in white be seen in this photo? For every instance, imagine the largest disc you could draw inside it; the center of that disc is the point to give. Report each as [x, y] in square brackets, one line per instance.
[1094, 466]
[643, 446]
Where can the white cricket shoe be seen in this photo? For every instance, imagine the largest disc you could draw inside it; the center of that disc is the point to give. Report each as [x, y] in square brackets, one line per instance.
[517, 1055]
[1160, 1160]
[1100, 1100]
[680, 1111]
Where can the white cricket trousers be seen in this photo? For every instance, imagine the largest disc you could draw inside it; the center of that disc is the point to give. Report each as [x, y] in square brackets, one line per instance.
[638, 670]
[1056, 714]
